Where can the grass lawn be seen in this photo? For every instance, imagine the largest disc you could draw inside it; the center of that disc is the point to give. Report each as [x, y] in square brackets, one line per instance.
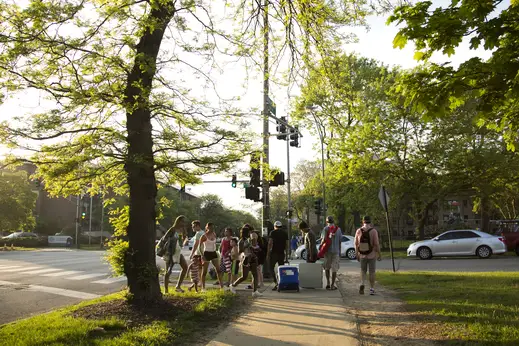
[476, 308]
[396, 254]
[18, 248]
[64, 327]
[91, 247]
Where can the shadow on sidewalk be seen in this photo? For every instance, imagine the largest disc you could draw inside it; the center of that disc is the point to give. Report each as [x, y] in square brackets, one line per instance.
[311, 317]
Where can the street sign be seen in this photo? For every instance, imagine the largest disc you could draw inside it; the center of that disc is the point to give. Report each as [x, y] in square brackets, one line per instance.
[271, 106]
[383, 197]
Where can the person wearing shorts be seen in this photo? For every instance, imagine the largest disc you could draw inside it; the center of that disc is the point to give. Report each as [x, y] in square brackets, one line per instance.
[173, 255]
[208, 240]
[277, 250]
[368, 261]
[333, 255]
[199, 232]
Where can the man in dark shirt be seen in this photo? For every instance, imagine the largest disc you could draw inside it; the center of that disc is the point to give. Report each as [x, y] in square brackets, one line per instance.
[277, 250]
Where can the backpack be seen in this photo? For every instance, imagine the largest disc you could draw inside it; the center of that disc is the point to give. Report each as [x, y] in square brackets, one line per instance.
[162, 246]
[365, 246]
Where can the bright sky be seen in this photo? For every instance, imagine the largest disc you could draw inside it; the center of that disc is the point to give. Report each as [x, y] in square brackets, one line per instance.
[375, 43]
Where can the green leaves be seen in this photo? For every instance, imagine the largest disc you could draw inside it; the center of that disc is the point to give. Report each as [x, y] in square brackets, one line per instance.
[439, 89]
[400, 41]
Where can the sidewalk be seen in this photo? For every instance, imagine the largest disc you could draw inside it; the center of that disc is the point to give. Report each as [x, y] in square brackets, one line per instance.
[311, 317]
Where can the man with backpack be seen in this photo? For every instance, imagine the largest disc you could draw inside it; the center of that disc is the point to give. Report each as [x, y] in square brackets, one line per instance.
[330, 250]
[367, 250]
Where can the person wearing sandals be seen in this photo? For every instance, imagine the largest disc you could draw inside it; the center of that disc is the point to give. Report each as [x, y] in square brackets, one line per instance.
[259, 251]
[225, 255]
[173, 254]
[249, 264]
[208, 240]
[333, 254]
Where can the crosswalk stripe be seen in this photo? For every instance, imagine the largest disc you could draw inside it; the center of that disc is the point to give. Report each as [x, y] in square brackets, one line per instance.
[8, 267]
[86, 276]
[110, 280]
[69, 272]
[52, 290]
[18, 269]
[42, 271]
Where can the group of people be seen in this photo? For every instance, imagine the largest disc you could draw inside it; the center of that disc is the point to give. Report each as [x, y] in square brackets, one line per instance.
[367, 251]
[251, 251]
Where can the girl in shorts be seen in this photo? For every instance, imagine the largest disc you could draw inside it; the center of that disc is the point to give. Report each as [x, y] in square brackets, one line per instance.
[208, 240]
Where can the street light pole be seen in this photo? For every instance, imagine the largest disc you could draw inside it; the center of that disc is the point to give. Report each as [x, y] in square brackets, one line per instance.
[77, 220]
[321, 137]
[289, 216]
[90, 222]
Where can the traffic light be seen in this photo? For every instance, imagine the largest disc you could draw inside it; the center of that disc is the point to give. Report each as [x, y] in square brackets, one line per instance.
[294, 137]
[317, 206]
[83, 215]
[279, 179]
[233, 180]
[282, 128]
[255, 175]
[252, 193]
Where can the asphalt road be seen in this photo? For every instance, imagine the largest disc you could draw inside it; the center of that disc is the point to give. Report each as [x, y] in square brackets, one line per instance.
[465, 264]
[33, 282]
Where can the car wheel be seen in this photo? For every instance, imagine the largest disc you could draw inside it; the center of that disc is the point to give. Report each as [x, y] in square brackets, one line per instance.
[484, 251]
[424, 253]
[350, 254]
[303, 254]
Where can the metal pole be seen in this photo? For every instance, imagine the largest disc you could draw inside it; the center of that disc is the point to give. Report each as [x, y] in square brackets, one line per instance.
[90, 222]
[289, 221]
[77, 220]
[388, 227]
[321, 137]
[265, 183]
[102, 221]
[324, 184]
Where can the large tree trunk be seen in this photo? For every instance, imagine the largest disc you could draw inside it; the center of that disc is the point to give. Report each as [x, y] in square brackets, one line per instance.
[140, 266]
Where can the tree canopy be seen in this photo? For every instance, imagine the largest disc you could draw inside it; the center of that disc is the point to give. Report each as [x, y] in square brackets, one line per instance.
[17, 202]
[438, 89]
[119, 112]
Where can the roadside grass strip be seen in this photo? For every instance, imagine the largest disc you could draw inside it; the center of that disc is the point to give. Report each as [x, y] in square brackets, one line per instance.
[110, 321]
[475, 308]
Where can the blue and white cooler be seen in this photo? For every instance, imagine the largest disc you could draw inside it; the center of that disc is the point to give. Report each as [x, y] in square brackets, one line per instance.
[288, 278]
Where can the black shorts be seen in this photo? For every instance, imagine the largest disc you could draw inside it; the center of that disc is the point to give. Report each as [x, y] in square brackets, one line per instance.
[278, 258]
[210, 255]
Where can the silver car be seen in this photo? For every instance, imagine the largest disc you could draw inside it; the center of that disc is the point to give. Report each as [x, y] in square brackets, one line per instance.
[347, 248]
[458, 243]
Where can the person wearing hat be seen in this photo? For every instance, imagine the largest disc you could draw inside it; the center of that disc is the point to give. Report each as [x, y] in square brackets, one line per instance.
[333, 254]
[277, 249]
[367, 248]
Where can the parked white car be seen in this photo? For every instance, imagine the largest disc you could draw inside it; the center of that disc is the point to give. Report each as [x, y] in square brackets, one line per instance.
[458, 243]
[347, 248]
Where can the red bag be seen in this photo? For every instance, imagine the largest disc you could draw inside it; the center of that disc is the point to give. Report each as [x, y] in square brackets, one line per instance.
[327, 241]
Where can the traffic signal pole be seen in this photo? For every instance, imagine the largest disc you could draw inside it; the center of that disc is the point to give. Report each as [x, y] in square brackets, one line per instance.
[289, 216]
[266, 112]
[77, 220]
